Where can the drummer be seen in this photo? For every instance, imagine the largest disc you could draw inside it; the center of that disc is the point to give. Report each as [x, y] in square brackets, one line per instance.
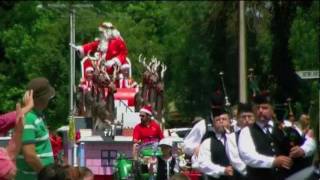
[148, 130]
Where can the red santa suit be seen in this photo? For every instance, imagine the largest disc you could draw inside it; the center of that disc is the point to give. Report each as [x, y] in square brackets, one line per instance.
[112, 51]
[86, 85]
[85, 82]
[125, 81]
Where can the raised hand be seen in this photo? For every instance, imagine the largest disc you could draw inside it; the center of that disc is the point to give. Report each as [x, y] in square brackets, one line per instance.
[27, 101]
[14, 145]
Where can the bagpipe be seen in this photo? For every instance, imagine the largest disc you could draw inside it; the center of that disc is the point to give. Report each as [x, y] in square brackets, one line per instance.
[227, 102]
[289, 136]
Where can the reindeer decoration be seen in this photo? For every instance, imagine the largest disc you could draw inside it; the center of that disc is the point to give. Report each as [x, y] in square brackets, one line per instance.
[99, 101]
[152, 86]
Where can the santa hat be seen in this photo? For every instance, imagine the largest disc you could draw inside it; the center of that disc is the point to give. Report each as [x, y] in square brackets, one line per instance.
[105, 25]
[85, 63]
[88, 69]
[147, 109]
[125, 66]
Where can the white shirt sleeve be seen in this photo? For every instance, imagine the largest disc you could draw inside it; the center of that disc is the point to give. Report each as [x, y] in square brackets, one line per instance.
[233, 154]
[309, 146]
[176, 167]
[193, 139]
[206, 166]
[249, 154]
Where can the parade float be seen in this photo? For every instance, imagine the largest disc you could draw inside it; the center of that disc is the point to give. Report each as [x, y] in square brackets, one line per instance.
[107, 107]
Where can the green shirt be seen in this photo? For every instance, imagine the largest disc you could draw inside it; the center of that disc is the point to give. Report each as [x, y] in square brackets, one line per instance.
[35, 132]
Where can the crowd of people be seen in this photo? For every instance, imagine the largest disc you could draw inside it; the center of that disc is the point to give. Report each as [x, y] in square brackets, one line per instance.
[256, 144]
[29, 153]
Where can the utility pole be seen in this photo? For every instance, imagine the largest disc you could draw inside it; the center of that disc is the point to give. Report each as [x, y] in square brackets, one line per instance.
[242, 55]
[72, 146]
[72, 57]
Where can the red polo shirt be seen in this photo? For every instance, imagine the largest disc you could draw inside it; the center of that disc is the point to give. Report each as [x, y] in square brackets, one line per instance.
[148, 133]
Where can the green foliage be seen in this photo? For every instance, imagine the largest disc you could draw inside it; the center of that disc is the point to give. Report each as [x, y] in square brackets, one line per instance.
[304, 41]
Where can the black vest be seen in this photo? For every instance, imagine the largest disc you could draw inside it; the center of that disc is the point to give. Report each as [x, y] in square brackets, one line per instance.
[269, 146]
[237, 134]
[218, 153]
[209, 131]
[219, 156]
[162, 168]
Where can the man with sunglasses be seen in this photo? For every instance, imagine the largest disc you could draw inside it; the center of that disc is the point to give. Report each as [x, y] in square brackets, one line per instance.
[146, 131]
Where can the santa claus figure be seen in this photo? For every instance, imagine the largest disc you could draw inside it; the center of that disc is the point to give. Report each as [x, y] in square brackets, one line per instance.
[110, 47]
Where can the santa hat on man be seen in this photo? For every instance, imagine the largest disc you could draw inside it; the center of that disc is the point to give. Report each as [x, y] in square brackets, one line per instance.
[86, 66]
[125, 65]
[109, 26]
[146, 109]
[105, 25]
[89, 69]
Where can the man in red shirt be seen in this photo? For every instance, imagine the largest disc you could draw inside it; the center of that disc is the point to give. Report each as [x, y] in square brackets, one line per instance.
[146, 131]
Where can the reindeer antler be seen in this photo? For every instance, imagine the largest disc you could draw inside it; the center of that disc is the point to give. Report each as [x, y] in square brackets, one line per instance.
[140, 60]
[153, 59]
[163, 70]
[143, 62]
[156, 65]
[105, 73]
[115, 71]
[151, 63]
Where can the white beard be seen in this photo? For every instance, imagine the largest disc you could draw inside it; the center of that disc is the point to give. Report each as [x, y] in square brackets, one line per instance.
[108, 34]
[116, 33]
[103, 45]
